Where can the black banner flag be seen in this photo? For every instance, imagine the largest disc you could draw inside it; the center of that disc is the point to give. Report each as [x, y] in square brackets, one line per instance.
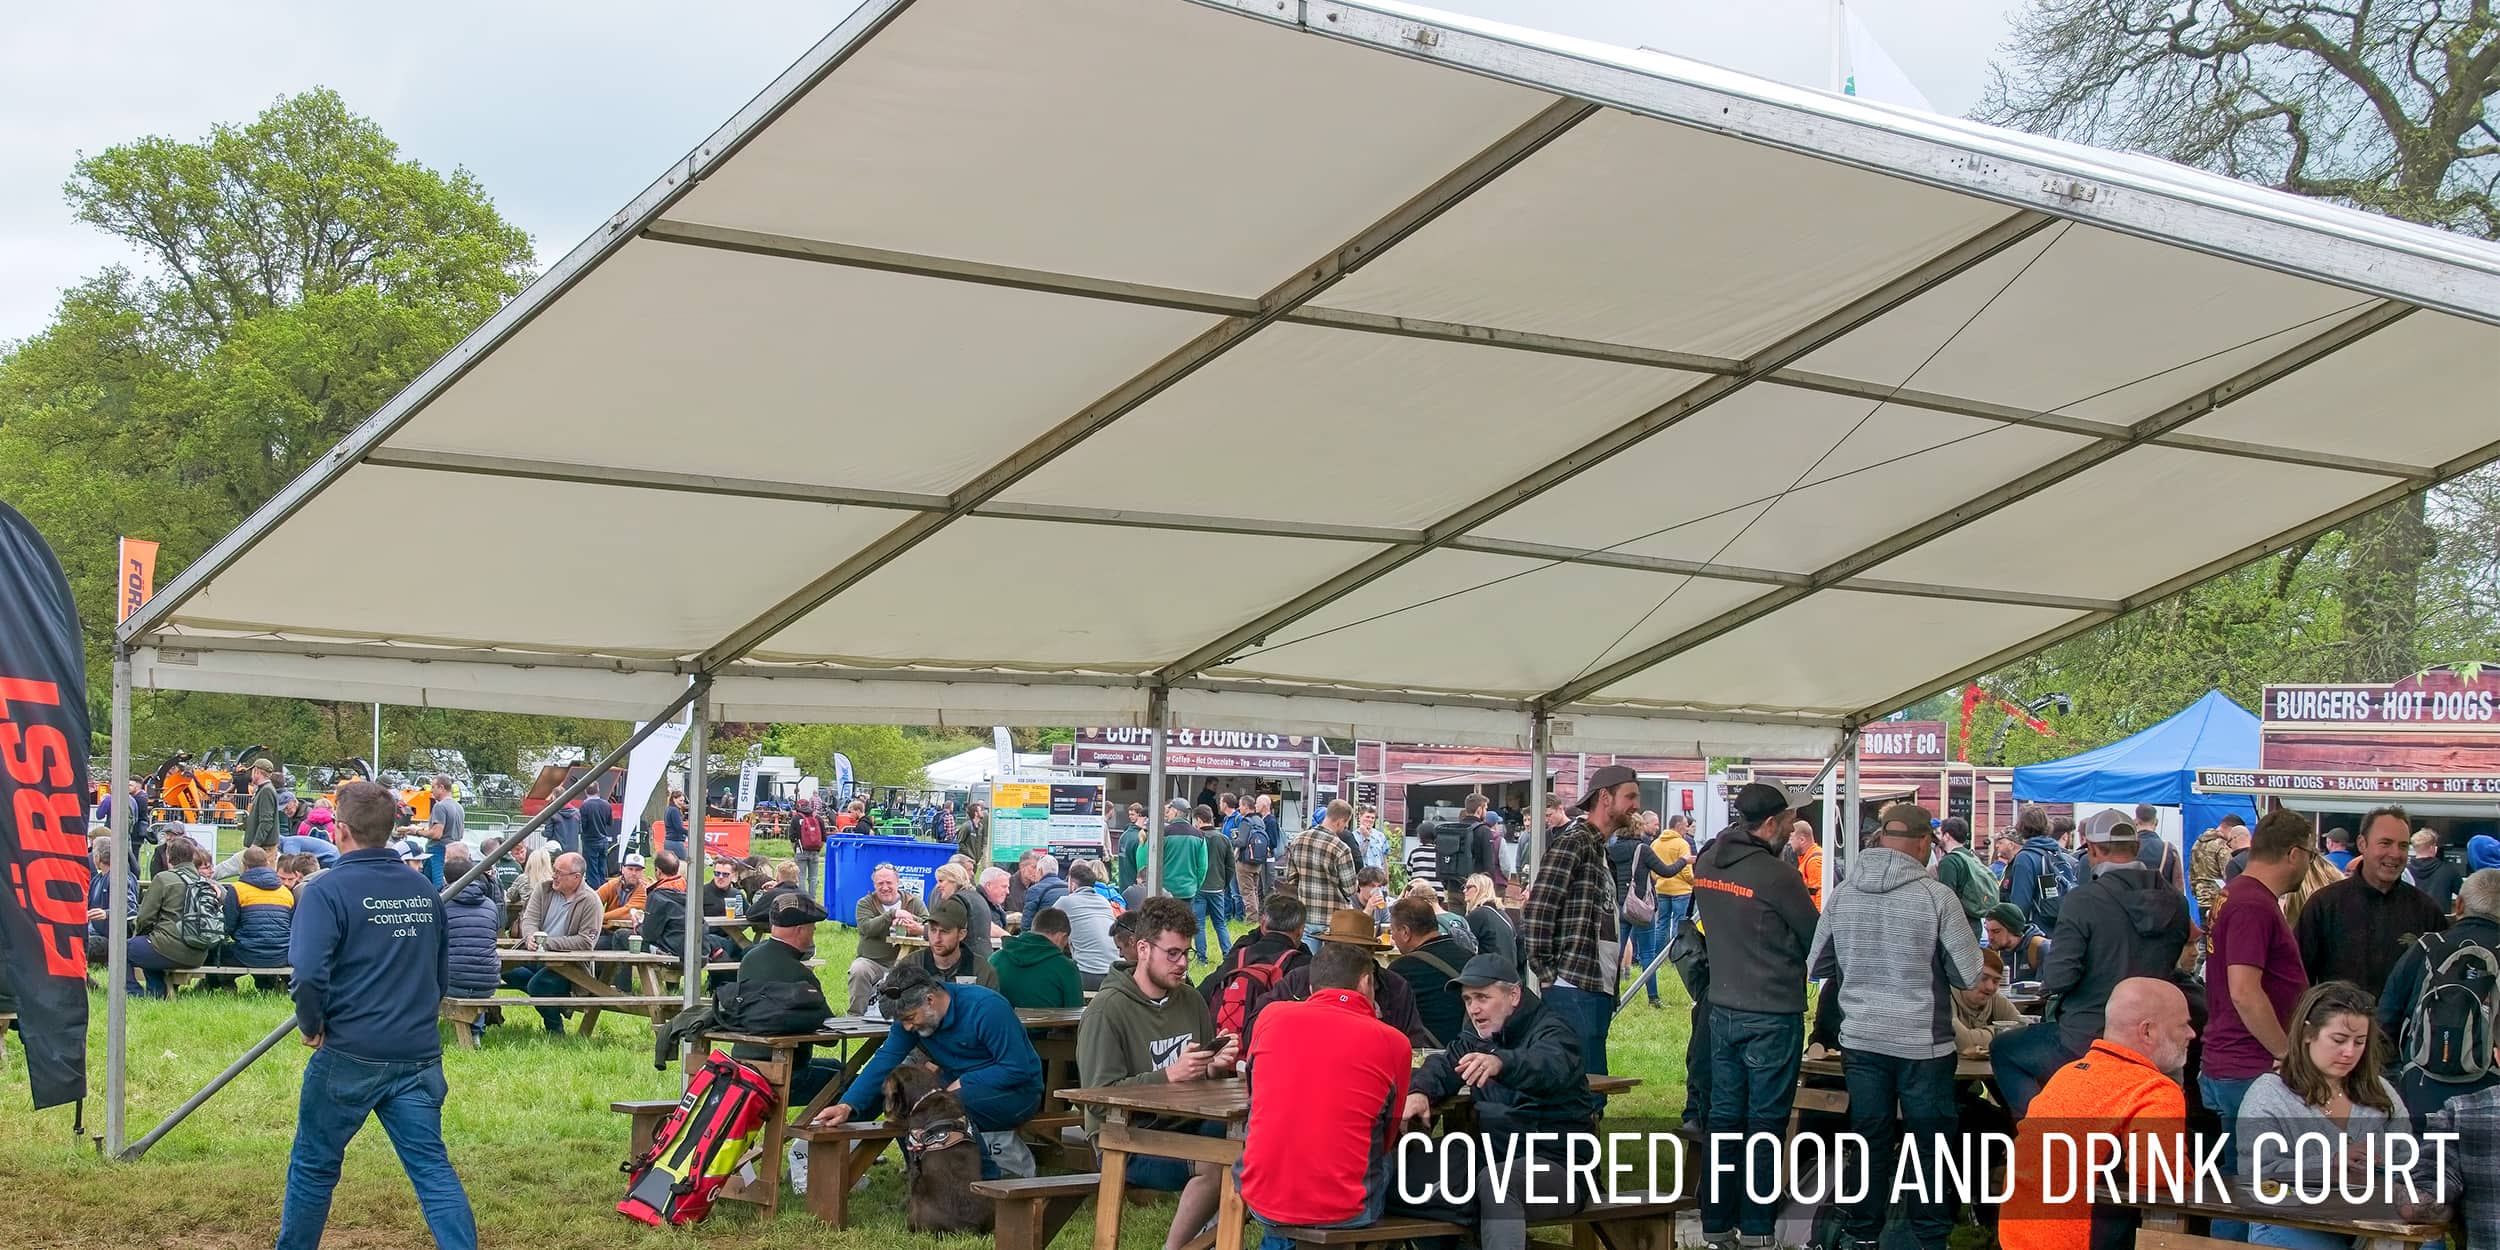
[43, 811]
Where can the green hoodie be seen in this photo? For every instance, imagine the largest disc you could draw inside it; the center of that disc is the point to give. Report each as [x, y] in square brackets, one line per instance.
[1127, 1038]
[1034, 972]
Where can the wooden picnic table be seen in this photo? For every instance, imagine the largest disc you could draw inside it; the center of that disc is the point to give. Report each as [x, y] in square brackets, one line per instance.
[2377, 1226]
[860, 1036]
[1219, 1100]
[580, 969]
[1965, 1068]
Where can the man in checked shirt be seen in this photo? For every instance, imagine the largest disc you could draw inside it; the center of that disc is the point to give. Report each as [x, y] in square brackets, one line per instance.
[1571, 935]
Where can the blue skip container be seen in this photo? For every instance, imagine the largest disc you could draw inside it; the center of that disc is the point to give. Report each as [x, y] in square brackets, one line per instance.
[850, 863]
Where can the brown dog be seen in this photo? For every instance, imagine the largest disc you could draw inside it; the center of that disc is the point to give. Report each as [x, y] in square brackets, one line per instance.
[941, 1154]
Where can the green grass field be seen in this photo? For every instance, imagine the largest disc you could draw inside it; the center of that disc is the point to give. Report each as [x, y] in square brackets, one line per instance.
[527, 1123]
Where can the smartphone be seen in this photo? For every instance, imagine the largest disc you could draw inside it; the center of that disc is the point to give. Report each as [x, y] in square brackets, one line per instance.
[1221, 1041]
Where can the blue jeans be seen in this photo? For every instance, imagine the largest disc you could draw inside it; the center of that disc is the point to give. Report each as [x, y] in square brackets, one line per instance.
[340, 1090]
[153, 966]
[2025, 1059]
[2222, 1097]
[541, 982]
[1921, 1090]
[2296, 1238]
[1210, 908]
[434, 863]
[1159, 1173]
[1754, 1057]
[1590, 1013]
[594, 862]
[1646, 943]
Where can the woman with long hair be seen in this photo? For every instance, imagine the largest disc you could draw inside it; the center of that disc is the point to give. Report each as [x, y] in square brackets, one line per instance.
[1495, 935]
[2329, 1084]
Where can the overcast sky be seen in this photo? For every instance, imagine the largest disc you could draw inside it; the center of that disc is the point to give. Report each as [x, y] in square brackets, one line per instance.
[565, 109]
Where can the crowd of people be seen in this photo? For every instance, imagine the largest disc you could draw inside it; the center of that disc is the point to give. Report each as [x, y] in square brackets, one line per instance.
[2263, 978]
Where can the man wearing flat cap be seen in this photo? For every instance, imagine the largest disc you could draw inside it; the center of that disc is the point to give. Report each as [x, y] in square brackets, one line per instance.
[1520, 1060]
[262, 822]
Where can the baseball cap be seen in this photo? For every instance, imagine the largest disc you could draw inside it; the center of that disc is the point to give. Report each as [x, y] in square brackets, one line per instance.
[951, 914]
[633, 859]
[793, 909]
[1760, 800]
[1921, 821]
[2108, 825]
[1601, 781]
[411, 849]
[1484, 970]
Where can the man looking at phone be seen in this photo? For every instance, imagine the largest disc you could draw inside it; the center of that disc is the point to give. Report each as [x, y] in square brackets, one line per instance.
[1149, 1026]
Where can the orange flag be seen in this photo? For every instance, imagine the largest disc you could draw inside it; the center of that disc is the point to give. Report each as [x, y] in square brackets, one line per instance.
[137, 576]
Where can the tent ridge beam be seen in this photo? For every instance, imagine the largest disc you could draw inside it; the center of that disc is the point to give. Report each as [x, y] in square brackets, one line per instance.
[924, 265]
[649, 479]
[2309, 351]
[919, 264]
[1304, 285]
[1787, 350]
[682, 175]
[2467, 463]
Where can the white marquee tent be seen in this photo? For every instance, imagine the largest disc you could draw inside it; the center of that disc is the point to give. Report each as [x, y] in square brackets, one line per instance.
[1296, 363]
[1342, 351]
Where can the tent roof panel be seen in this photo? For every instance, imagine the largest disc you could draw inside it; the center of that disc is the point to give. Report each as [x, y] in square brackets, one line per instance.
[1012, 593]
[2187, 506]
[2442, 367]
[2058, 288]
[1866, 467]
[1608, 212]
[1456, 620]
[1481, 414]
[555, 565]
[1137, 140]
[704, 361]
[1848, 648]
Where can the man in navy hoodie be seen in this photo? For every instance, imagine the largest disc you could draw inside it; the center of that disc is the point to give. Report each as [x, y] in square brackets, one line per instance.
[370, 962]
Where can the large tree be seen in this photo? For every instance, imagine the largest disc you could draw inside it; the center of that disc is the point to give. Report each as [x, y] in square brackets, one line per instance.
[2377, 105]
[293, 273]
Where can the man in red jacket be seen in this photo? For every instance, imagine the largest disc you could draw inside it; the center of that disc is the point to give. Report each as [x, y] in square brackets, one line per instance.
[1327, 1083]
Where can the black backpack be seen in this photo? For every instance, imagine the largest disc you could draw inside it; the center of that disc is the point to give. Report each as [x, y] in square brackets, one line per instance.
[1453, 852]
[202, 923]
[2448, 1037]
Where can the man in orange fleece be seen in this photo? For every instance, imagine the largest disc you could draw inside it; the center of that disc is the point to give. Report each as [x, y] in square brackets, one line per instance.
[2128, 1085]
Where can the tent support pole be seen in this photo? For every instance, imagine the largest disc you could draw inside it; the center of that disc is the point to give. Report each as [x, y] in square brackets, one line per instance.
[1539, 729]
[117, 962]
[698, 825]
[571, 791]
[1849, 795]
[1158, 726]
[1830, 783]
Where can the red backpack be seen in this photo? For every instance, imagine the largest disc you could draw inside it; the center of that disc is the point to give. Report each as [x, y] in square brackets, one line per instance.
[712, 1133]
[811, 833]
[1241, 990]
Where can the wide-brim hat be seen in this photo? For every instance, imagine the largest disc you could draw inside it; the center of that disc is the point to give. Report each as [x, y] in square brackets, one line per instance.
[1349, 927]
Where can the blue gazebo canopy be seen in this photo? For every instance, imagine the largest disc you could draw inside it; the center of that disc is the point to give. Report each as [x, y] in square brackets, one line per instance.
[2158, 766]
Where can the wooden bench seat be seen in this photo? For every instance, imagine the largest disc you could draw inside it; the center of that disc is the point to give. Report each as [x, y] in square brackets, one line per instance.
[836, 1160]
[647, 1113]
[1605, 1226]
[1032, 1209]
[464, 1013]
[184, 976]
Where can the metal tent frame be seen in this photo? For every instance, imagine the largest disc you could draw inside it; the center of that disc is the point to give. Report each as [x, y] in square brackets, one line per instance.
[1391, 245]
